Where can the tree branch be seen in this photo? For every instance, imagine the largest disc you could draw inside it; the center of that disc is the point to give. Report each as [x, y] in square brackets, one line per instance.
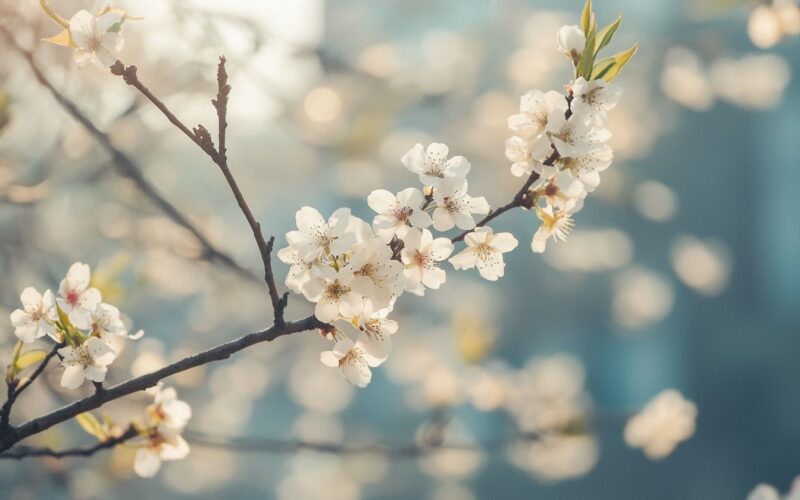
[14, 391]
[20, 452]
[126, 165]
[11, 436]
[200, 136]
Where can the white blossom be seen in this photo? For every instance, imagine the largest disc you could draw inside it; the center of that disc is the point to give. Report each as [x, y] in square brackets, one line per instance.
[377, 330]
[581, 148]
[526, 155]
[432, 165]
[485, 250]
[353, 359]
[570, 41]
[167, 410]
[76, 297]
[37, 316]
[96, 38]
[397, 212]
[162, 444]
[89, 361]
[333, 294]
[537, 109]
[550, 184]
[454, 207]
[376, 276]
[555, 223]
[664, 422]
[106, 321]
[315, 236]
[299, 270]
[593, 99]
[421, 255]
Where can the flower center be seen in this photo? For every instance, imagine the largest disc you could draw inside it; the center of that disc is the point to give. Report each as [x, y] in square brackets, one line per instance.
[403, 213]
[72, 297]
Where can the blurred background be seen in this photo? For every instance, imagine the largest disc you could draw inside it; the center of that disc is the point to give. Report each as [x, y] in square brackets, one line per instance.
[682, 271]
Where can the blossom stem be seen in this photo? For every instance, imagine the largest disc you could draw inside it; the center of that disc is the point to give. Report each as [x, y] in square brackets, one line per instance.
[21, 452]
[14, 391]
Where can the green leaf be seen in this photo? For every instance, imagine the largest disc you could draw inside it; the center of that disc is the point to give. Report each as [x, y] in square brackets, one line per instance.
[609, 68]
[11, 372]
[29, 358]
[586, 63]
[607, 33]
[91, 425]
[587, 18]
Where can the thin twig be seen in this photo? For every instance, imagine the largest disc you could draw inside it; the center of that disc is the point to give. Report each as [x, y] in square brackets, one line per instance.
[20, 452]
[127, 166]
[200, 136]
[14, 391]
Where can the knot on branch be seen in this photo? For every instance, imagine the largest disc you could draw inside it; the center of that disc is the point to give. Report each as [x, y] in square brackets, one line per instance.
[204, 140]
[128, 74]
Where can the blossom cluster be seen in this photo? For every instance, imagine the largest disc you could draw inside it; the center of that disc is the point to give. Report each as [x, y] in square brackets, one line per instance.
[354, 271]
[663, 423]
[78, 318]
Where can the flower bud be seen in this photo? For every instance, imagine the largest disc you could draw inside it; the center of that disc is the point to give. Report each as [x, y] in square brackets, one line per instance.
[571, 41]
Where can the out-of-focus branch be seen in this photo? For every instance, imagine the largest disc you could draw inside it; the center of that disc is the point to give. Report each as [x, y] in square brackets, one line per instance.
[11, 436]
[200, 136]
[127, 166]
[20, 452]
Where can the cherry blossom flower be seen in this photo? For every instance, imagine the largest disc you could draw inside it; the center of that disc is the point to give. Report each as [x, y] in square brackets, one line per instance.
[667, 420]
[526, 155]
[485, 250]
[557, 224]
[593, 99]
[316, 237]
[37, 316]
[570, 41]
[581, 148]
[549, 186]
[89, 360]
[375, 275]
[353, 359]
[76, 298]
[397, 212]
[454, 207]
[299, 270]
[421, 254]
[167, 410]
[96, 38]
[161, 444]
[432, 164]
[106, 321]
[537, 109]
[333, 294]
[377, 330]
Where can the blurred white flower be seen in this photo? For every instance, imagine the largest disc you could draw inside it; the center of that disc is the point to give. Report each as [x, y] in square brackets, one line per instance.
[37, 316]
[432, 164]
[167, 410]
[89, 360]
[485, 250]
[96, 38]
[107, 321]
[664, 422]
[769, 492]
[421, 254]
[162, 444]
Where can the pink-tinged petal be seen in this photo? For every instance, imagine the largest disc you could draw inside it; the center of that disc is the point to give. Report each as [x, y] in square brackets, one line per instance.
[308, 220]
[31, 299]
[381, 201]
[147, 462]
[504, 242]
[95, 373]
[72, 378]
[463, 260]
[442, 220]
[78, 276]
